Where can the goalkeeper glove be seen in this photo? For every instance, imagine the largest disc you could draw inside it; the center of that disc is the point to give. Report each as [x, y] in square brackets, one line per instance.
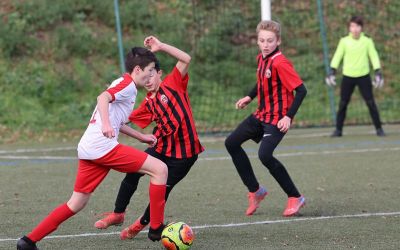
[378, 81]
[330, 79]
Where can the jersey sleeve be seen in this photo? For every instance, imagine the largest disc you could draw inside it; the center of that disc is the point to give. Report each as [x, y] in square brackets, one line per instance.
[288, 75]
[373, 55]
[120, 91]
[141, 116]
[253, 93]
[176, 80]
[339, 53]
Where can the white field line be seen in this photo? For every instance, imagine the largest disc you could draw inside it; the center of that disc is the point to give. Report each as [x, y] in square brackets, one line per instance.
[297, 135]
[202, 139]
[26, 157]
[32, 150]
[324, 152]
[349, 216]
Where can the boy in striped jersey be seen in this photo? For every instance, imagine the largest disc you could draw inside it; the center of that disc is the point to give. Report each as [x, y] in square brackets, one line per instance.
[167, 104]
[99, 151]
[276, 80]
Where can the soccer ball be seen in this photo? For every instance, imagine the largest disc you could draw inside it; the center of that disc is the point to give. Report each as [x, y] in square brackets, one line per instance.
[177, 236]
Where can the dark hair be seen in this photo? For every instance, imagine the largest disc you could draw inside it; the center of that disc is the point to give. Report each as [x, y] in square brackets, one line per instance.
[138, 56]
[157, 67]
[357, 19]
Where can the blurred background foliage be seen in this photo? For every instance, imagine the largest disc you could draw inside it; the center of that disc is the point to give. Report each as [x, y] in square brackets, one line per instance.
[57, 56]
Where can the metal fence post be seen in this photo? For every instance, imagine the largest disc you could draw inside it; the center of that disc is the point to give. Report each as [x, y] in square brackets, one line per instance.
[120, 46]
[326, 58]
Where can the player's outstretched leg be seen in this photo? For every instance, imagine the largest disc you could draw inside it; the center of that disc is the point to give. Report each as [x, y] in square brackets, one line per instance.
[49, 224]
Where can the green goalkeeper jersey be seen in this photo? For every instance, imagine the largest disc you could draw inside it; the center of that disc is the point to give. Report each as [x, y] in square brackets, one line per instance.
[355, 54]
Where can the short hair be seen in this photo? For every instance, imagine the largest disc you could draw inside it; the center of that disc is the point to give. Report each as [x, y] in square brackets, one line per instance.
[157, 66]
[270, 26]
[139, 56]
[357, 19]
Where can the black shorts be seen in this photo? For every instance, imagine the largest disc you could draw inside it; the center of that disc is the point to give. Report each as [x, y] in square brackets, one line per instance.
[177, 168]
[256, 130]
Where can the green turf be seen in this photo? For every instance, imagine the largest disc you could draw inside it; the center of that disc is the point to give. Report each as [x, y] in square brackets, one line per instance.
[353, 175]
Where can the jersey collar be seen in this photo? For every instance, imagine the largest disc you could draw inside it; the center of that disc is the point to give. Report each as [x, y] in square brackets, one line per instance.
[271, 54]
[127, 76]
[361, 36]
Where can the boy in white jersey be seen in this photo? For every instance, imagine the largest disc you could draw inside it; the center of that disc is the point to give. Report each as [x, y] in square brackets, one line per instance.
[99, 151]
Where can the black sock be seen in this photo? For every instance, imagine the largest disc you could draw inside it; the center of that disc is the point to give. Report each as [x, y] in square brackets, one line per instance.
[125, 193]
[29, 241]
[145, 220]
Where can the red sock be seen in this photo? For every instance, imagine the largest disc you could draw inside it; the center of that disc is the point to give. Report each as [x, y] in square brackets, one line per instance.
[51, 222]
[157, 205]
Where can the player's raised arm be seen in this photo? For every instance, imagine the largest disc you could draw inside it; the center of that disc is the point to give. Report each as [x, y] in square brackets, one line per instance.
[183, 58]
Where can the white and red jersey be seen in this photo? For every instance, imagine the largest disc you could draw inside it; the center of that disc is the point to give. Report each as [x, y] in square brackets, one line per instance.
[94, 144]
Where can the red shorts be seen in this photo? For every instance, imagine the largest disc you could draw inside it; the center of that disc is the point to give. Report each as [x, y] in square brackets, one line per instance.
[121, 158]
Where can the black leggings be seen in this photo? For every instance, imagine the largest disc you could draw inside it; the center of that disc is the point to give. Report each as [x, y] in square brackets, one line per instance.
[177, 170]
[270, 136]
[346, 90]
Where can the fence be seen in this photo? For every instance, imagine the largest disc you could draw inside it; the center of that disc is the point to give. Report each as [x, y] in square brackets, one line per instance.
[215, 94]
[53, 53]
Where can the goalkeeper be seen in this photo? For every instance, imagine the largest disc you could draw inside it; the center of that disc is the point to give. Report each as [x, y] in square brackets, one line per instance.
[356, 50]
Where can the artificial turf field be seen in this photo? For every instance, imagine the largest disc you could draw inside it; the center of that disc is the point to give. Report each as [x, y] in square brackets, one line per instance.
[351, 185]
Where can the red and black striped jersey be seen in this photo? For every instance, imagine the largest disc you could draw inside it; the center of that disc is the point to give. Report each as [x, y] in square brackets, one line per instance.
[171, 111]
[276, 80]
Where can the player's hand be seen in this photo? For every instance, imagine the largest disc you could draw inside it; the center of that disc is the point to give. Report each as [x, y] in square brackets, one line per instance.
[284, 124]
[149, 139]
[378, 81]
[330, 80]
[242, 103]
[108, 131]
[152, 43]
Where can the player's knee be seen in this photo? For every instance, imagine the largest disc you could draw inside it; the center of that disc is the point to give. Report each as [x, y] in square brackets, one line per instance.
[76, 204]
[231, 144]
[343, 103]
[162, 170]
[370, 103]
[265, 158]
